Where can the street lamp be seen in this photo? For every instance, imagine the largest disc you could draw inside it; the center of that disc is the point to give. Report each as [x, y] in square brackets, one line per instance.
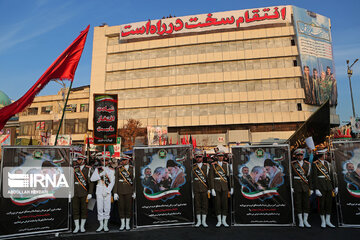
[349, 72]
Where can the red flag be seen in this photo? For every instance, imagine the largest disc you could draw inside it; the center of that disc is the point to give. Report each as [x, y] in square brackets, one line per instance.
[171, 141]
[195, 143]
[187, 139]
[160, 140]
[177, 142]
[63, 68]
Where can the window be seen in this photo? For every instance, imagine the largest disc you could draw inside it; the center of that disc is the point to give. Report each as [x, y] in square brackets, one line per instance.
[70, 108]
[299, 107]
[84, 107]
[33, 111]
[292, 42]
[46, 110]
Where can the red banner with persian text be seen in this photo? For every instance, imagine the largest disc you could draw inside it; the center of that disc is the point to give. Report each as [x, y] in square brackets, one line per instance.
[207, 22]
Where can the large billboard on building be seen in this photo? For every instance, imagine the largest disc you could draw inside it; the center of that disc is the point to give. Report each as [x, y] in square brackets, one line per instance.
[316, 55]
[206, 22]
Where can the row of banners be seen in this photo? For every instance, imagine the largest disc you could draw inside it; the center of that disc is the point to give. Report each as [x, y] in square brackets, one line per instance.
[262, 194]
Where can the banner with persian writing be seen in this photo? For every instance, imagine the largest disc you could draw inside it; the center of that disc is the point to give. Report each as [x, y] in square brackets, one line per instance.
[347, 164]
[262, 186]
[316, 55]
[207, 22]
[163, 186]
[105, 119]
[26, 210]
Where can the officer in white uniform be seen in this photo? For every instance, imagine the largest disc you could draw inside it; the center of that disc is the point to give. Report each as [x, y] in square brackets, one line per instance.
[105, 177]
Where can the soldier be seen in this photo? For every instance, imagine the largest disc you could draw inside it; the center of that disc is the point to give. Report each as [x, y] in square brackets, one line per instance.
[83, 189]
[301, 186]
[219, 177]
[201, 189]
[105, 177]
[324, 185]
[124, 191]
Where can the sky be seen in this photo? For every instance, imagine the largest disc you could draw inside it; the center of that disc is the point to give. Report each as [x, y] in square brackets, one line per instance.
[34, 33]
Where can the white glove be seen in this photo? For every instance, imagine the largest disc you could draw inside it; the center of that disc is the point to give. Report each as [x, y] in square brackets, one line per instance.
[116, 197]
[89, 196]
[213, 193]
[209, 192]
[318, 193]
[134, 195]
[231, 191]
[311, 192]
[336, 190]
[105, 194]
[292, 190]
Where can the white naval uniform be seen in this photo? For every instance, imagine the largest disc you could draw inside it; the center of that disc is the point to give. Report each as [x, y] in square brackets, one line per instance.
[103, 193]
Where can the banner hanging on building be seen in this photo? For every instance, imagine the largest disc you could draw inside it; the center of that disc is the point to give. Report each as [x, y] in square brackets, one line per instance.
[157, 135]
[316, 55]
[163, 186]
[105, 119]
[24, 212]
[207, 22]
[262, 186]
[347, 163]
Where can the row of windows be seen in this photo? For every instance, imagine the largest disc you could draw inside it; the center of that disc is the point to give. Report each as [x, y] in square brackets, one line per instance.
[210, 109]
[72, 126]
[201, 49]
[202, 68]
[49, 109]
[210, 88]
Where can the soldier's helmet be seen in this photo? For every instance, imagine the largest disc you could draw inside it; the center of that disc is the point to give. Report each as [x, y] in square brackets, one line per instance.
[198, 153]
[299, 151]
[220, 153]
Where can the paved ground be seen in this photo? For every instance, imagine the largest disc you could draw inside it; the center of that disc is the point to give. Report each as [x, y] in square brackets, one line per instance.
[189, 232]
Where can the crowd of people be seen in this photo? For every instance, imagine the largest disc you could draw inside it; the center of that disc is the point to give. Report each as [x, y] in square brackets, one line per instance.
[114, 180]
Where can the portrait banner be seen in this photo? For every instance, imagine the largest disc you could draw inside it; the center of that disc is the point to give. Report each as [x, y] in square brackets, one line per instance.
[157, 135]
[262, 185]
[105, 119]
[163, 186]
[24, 211]
[347, 164]
[316, 55]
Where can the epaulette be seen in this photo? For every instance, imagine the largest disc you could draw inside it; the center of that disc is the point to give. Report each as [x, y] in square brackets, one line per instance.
[306, 161]
[87, 166]
[213, 163]
[293, 161]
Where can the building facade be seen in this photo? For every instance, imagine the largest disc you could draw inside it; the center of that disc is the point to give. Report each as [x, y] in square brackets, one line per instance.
[42, 118]
[222, 77]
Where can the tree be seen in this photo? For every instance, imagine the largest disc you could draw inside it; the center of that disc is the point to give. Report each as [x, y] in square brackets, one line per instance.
[130, 131]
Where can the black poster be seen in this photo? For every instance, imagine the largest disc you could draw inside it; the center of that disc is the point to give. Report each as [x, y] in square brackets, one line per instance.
[32, 213]
[163, 186]
[347, 163]
[105, 119]
[262, 187]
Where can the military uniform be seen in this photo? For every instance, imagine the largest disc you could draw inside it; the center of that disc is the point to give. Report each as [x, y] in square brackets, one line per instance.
[302, 185]
[105, 177]
[201, 187]
[219, 181]
[82, 187]
[322, 178]
[124, 189]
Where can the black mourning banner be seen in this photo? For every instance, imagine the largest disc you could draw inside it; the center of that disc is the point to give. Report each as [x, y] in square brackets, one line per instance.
[262, 186]
[316, 126]
[347, 164]
[105, 119]
[163, 186]
[37, 214]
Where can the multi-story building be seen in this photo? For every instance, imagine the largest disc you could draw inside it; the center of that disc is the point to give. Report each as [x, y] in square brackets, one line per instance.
[42, 117]
[221, 77]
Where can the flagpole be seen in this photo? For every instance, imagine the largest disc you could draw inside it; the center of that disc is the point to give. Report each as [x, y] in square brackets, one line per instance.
[63, 113]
